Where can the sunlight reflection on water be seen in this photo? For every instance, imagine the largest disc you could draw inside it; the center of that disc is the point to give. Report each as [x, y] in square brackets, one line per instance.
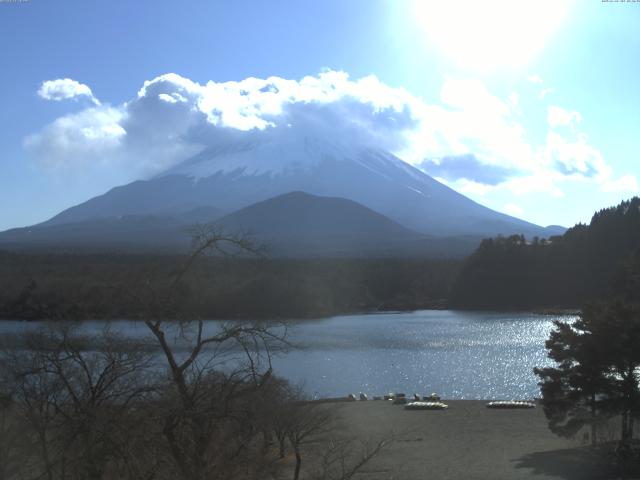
[459, 355]
[456, 354]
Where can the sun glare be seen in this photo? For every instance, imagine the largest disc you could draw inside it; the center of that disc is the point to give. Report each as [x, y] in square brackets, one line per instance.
[488, 34]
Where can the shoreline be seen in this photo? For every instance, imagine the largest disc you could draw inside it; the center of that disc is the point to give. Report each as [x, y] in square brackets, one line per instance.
[346, 399]
[544, 312]
[469, 441]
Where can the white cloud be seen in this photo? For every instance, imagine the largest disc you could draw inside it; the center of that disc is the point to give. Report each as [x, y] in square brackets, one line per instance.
[475, 139]
[469, 187]
[544, 92]
[173, 98]
[542, 181]
[472, 121]
[559, 117]
[535, 78]
[173, 117]
[575, 157]
[94, 135]
[64, 89]
[514, 102]
[512, 209]
[624, 184]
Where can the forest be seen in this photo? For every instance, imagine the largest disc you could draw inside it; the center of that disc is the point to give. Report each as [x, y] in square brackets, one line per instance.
[588, 262]
[69, 286]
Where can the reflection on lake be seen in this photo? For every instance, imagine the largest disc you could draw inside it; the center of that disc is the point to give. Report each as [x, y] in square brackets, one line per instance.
[456, 354]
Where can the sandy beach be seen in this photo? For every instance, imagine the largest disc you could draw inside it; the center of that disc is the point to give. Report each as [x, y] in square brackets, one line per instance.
[468, 441]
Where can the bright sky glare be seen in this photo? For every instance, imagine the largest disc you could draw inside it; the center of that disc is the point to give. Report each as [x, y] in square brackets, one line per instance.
[528, 107]
[485, 35]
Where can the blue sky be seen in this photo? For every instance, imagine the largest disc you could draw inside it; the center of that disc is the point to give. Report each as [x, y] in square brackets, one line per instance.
[532, 110]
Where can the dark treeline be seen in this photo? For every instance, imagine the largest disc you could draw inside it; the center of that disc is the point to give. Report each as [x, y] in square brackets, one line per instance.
[107, 286]
[587, 262]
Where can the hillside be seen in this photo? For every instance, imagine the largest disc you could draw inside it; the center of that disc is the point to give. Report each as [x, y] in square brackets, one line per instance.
[235, 175]
[297, 224]
[294, 225]
[586, 263]
[151, 233]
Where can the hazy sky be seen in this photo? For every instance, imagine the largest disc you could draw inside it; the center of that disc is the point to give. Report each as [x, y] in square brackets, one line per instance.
[531, 108]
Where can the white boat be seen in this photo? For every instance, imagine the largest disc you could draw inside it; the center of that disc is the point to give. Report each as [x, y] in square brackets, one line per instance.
[504, 404]
[426, 406]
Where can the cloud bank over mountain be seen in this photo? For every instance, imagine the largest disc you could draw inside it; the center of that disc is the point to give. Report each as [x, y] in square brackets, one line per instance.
[470, 139]
[467, 166]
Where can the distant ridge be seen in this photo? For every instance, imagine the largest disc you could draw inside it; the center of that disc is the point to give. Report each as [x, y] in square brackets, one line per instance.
[235, 175]
[304, 195]
[129, 233]
[295, 224]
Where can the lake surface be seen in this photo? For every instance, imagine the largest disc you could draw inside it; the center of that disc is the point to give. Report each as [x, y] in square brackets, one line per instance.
[459, 355]
[455, 354]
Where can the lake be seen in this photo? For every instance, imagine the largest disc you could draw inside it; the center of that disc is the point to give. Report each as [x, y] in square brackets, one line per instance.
[459, 355]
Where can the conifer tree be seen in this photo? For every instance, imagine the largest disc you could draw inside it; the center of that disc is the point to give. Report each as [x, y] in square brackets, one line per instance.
[597, 370]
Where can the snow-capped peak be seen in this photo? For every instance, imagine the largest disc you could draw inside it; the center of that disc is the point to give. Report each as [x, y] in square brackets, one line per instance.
[272, 156]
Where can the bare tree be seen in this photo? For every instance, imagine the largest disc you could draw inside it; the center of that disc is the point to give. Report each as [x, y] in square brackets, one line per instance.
[343, 458]
[306, 421]
[9, 429]
[74, 393]
[199, 401]
[213, 374]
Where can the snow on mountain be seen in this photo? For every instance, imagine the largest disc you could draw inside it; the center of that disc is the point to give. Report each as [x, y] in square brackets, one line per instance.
[238, 174]
[285, 156]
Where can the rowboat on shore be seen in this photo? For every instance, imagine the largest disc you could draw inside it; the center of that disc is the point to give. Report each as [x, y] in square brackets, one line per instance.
[426, 406]
[504, 404]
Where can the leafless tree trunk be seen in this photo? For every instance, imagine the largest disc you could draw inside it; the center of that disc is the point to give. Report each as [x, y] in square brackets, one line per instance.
[344, 458]
[199, 402]
[74, 393]
[210, 396]
[307, 420]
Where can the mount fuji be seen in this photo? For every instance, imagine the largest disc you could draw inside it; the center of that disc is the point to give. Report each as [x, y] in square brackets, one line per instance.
[223, 179]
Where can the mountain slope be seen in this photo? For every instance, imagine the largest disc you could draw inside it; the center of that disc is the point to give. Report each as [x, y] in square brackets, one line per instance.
[295, 224]
[298, 214]
[236, 175]
[131, 232]
[299, 224]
